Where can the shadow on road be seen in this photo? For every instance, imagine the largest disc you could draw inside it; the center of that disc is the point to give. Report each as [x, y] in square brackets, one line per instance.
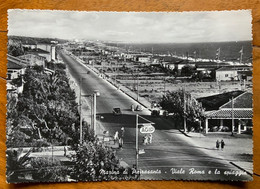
[129, 120]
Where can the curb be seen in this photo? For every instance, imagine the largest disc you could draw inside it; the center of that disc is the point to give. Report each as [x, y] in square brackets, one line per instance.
[184, 133]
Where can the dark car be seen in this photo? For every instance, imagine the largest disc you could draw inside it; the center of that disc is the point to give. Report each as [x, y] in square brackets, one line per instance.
[155, 113]
[117, 111]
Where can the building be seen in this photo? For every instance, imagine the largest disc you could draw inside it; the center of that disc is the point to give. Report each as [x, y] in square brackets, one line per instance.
[53, 53]
[15, 70]
[44, 46]
[40, 52]
[179, 65]
[230, 73]
[206, 67]
[231, 111]
[29, 45]
[144, 59]
[33, 59]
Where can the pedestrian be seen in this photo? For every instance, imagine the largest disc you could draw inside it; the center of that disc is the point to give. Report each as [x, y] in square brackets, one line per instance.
[65, 151]
[121, 142]
[150, 137]
[133, 107]
[116, 136]
[145, 139]
[122, 132]
[222, 144]
[217, 144]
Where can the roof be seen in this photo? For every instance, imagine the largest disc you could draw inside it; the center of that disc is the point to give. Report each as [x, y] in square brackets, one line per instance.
[227, 114]
[170, 59]
[37, 50]
[210, 64]
[29, 43]
[26, 56]
[214, 102]
[246, 72]
[234, 68]
[15, 63]
[242, 101]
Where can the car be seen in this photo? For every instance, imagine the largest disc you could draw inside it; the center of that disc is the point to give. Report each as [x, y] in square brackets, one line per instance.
[155, 113]
[117, 111]
[138, 108]
[97, 92]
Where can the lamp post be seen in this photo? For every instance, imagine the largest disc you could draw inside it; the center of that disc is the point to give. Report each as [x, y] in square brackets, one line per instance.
[93, 112]
[136, 136]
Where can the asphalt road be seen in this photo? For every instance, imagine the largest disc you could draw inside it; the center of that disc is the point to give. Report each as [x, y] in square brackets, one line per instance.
[171, 155]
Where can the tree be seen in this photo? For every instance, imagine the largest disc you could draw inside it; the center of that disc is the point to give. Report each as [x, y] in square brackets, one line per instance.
[48, 169]
[45, 110]
[15, 161]
[95, 162]
[183, 105]
[188, 70]
[15, 49]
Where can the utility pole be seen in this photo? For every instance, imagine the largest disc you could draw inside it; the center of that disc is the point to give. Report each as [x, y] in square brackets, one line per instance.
[80, 105]
[136, 137]
[136, 142]
[164, 86]
[137, 87]
[184, 110]
[94, 113]
[232, 106]
[241, 55]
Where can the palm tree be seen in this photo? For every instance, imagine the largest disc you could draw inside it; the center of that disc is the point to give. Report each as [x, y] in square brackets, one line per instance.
[15, 162]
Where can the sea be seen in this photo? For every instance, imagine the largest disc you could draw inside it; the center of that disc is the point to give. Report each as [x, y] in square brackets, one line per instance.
[228, 51]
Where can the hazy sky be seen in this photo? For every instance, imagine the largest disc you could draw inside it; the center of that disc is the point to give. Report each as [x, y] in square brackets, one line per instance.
[134, 26]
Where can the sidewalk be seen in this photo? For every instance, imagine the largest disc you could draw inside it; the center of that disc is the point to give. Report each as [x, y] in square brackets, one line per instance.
[238, 148]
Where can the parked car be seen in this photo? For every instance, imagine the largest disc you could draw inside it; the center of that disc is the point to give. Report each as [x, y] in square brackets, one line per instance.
[138, 108]
[117, 111]
[155, 113]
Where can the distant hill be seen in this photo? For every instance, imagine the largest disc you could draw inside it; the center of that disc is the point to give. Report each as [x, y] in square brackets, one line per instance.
[35, 40]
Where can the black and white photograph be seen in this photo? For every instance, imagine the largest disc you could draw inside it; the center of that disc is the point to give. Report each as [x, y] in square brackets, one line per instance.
[101, 96]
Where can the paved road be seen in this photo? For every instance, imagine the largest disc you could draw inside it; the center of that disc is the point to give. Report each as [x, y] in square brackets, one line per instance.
[171, 155]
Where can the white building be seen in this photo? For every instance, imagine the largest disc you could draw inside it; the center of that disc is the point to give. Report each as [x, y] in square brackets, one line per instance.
[15, 67]
[53, 52]
[40, 52]
[15, 70]
[144, 59]
[33, 59]
[230, 73]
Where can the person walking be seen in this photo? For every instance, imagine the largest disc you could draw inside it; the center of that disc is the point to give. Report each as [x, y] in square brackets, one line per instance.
[65, 150]
[145, 139]
[132, 107]
[217, 144]
[222, 144]
[150, 137]
[116, 136]
[122, 132]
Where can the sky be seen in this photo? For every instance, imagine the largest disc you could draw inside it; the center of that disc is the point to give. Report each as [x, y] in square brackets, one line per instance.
[133, 27]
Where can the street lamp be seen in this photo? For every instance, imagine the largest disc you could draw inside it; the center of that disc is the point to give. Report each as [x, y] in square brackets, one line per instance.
[93, 112]
[136, 135]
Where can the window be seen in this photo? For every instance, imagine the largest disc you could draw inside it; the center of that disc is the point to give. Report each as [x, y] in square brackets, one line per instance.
[226, 75]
